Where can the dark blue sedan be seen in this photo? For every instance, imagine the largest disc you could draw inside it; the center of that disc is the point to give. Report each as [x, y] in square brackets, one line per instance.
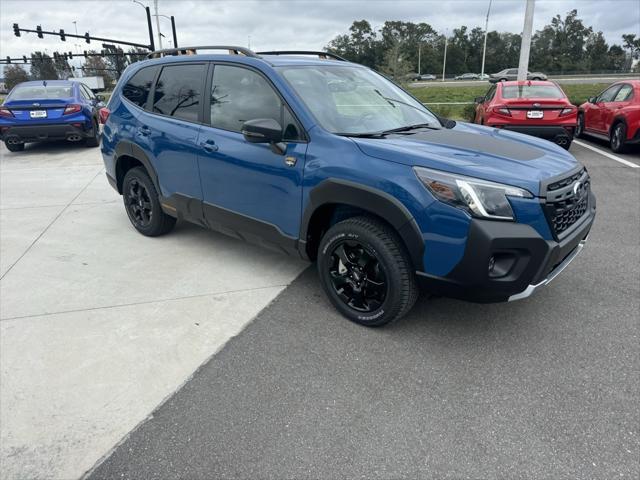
[50, 110]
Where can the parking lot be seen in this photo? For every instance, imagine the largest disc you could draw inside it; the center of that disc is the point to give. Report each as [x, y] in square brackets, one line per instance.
[194, 355]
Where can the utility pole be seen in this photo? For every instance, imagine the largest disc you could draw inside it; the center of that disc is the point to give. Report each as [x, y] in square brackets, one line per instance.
[419, 55]
[155, 7]
[444, 61]
[486, 32]
[525, 46]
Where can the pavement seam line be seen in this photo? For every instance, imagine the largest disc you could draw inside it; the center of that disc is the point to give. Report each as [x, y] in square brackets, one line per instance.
[146, 302]
[51, 223]
[607, 154]
[105, 202]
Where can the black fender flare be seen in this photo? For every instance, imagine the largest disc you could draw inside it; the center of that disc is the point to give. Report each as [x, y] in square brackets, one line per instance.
[126, 148]
[378, 202]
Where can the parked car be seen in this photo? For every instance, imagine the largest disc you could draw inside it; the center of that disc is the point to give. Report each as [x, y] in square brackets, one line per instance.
[50, 110]
[483, 76]
[512, 74]
[427, 76]
[614, 115]
[413, 77]
[537, 108]
[329, 161]
[467, 76]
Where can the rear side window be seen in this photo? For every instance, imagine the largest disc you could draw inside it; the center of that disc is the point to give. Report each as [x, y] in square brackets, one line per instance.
[178, 92]
[531, 91]
[136, 90]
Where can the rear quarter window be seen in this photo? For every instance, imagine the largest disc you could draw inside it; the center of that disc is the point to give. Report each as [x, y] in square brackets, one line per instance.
[136, 90]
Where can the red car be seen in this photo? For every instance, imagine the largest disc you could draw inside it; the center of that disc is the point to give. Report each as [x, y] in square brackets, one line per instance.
[614, 115]
[538, 108]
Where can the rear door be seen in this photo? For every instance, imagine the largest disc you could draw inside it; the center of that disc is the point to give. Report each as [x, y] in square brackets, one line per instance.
[622, 99]
[248, 189]
[168, 131]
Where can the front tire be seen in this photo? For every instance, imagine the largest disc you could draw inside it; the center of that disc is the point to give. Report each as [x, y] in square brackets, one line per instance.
[617, 138]
[143, 205]
[579, 126]
[366, 272]
[14, 147]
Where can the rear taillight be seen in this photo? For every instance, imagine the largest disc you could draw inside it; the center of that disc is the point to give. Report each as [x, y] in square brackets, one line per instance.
[5, 112]
[104, 114]
[73, 108]
[567, 111]
[502, 111]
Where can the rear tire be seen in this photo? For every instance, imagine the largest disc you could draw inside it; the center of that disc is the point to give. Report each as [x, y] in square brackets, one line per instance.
[366, 272]
[617, 137]
[14, 147]
[143, 205]
[94, 139]
[579, 126]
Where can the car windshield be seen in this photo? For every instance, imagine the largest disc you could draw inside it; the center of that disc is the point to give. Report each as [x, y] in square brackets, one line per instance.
[27, 92]
[352, 100]
[531, 91]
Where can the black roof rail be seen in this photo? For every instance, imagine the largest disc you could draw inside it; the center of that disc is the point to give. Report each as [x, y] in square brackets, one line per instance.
[322, 55]
[233, 50]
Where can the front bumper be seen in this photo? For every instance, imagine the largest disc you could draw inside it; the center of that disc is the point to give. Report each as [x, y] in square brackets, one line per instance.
[505, 261]
[37, 133]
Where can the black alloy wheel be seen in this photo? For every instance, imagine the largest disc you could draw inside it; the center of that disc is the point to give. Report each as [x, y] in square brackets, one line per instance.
[618, 134]
[357, 276]
[138, 204]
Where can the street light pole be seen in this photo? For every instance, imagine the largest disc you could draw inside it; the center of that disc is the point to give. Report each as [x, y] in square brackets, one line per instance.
[525, 45]
[419, 55]
[155, 7]
[444, 61]
[486, 32]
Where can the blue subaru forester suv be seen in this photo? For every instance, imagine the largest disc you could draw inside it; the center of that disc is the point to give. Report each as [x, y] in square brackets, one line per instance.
[311, 155]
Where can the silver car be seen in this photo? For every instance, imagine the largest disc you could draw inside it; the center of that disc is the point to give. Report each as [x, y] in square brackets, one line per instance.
[512, 74]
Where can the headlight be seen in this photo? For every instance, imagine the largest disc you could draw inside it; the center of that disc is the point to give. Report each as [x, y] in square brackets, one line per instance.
[478, 197]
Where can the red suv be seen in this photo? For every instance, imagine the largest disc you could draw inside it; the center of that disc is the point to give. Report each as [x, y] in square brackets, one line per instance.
[538, 108]
[614, 115]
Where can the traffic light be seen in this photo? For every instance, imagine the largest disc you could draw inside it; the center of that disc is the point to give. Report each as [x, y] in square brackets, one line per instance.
[24, 58]
[8, 59]
[87, 38]
[55, 55]
[16, 30]
[39, 31]
[70, 54]
[86, 55]
[63, 37]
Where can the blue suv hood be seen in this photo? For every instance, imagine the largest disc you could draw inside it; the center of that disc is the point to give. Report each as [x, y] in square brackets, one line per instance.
[476, 151]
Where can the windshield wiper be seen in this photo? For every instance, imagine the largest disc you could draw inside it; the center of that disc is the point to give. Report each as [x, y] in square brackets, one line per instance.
[362, 135]
[406, 128]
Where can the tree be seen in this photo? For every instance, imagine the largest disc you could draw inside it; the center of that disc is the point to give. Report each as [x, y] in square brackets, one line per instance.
[632, 44]
[360, 46]
[13, 75]
[42, 67]
[61, 65]
[596, 50]
[94, 66]
[393, 62]
[135, 58]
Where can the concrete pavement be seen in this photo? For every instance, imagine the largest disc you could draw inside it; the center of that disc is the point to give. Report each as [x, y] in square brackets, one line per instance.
[98, 324]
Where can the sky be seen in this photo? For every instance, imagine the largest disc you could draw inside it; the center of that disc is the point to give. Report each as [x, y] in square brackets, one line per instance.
[283, 24]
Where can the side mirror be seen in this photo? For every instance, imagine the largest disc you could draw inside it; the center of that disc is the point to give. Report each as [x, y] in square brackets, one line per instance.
[100, 98]
[592, 100]
[478, 100]
[262, 130]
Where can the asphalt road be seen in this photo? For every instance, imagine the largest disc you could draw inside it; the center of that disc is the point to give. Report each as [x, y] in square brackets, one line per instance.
[546, 387]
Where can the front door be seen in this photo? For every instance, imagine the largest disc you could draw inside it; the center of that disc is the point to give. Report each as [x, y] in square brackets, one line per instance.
[595, 114]
[250, 190]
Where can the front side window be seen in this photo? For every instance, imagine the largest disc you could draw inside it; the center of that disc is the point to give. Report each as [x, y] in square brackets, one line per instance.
[239, 94]
[609, 94]
[136, 90]
[623, 94]
[513, 71]
[355, 100]
[178, 91]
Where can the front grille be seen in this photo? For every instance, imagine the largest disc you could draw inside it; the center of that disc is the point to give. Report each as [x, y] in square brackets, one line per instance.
[567, 200]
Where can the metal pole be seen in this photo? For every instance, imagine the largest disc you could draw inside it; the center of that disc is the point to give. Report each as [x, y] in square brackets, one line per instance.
[173, 31]
[486, 32]
[419, 55]
[155, 7]
[525, 46]
[444, 61]
[151, 44]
